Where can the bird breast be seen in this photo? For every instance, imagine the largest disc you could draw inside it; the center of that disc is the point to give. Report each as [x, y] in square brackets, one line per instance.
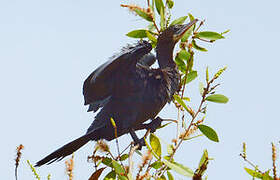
[157, 88]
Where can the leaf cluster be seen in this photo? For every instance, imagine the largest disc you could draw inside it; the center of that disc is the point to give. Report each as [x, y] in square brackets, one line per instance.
[256, 172]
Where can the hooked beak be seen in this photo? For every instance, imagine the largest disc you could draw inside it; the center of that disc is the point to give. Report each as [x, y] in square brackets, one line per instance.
[179, 34]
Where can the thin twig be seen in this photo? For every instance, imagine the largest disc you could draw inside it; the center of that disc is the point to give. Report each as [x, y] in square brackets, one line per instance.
[274, 155]
[186, 75]
[201, 23]
[170, 120]
[126, 148]
[178, 126]
[250, 163]
[69, 167]
[148, 167]
[154, 22]
[118, 147]
[209, 41]
[130, 161]
[214, 87]
[119, 154]
[19, 148]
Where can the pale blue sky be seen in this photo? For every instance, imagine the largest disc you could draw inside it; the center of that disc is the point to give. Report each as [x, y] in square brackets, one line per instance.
[47, 49]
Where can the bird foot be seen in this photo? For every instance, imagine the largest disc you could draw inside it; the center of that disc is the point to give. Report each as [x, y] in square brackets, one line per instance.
[140, 143]
[156, 123]
[137, 141]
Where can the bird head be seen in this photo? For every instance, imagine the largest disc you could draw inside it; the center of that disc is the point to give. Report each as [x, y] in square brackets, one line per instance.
[174, 33]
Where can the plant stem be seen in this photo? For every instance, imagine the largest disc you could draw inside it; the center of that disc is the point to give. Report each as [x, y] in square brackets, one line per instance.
[205, 92]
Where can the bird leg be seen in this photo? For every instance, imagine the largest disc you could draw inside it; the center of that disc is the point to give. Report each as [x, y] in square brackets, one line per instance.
[156, 123]
[153, 125]
[140, 142]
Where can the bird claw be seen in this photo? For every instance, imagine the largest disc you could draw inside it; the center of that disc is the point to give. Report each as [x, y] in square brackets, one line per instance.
[140, 143]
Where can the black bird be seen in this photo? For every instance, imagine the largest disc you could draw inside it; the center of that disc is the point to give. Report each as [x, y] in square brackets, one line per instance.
[129, 91]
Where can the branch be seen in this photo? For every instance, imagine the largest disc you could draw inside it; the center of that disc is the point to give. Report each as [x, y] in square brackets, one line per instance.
[205, 92]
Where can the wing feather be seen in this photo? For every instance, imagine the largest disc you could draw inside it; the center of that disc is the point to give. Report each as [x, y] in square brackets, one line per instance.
[98, 87]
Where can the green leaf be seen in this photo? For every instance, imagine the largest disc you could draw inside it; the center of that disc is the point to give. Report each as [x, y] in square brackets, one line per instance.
[170, 3]
[152, 38]
[124, 157]
[207, 74]
[120, 177]
[203, 162]
[186, 99]
[153, 5]
[201, 88]
[184, 167]
[189, 138]
[180, 101]
[141, 33]
[118, 168]
[150, 149]
[254, 173]
[159, 5]
[167, 158]
[155, 144]
[169, 175]
[138, 152]
[198, 47]
[181, 64]
[151, 27]
[162, 126]
[183, 54]
[143, 15]
[180, 169]
[217, 98]
[169, 149]
[266, 176]
[208, 132]
[156, 165]
[107, 161]
[220, 72]
[191, 76]
[190, 64]
[209, 35]
[110, 176]
[203, 158]
[162, 177]
[180, 20]
[225, 32]
[162, 19]
[191, 17]
[129, 175]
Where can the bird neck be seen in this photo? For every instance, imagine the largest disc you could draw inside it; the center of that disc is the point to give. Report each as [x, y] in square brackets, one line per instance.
[164, 53]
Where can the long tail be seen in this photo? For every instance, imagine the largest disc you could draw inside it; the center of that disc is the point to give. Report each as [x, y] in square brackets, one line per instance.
[65, 150]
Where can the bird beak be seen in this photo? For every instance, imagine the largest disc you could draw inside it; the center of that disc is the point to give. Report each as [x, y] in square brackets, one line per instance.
[179, 34]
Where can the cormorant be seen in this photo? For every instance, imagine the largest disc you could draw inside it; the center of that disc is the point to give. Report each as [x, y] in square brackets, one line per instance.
[129, 91]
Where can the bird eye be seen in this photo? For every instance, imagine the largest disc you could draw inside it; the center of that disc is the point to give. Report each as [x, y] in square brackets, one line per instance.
[176, 27]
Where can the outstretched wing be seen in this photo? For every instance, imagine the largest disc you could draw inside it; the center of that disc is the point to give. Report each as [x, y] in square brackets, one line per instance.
[98, 87]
